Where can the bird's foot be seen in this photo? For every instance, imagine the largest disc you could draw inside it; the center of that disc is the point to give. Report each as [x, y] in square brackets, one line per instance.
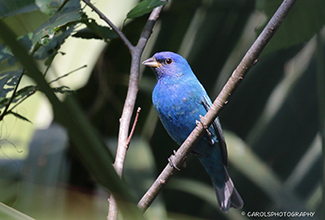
[211, 141]
[172, 164]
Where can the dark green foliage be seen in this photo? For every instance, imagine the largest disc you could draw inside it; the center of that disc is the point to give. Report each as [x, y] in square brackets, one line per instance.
[19, 116]
[95, 31]
[8, 82]
[10, 8]
[303, 22]
[144, 7]
[43, 43]
[63, 90]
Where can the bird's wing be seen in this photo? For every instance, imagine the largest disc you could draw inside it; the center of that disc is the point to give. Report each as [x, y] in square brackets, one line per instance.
[217, 127]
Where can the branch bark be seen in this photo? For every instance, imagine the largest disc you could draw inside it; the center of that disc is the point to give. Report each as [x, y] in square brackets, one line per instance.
[125, 120]
[233, 82]
[128, 108]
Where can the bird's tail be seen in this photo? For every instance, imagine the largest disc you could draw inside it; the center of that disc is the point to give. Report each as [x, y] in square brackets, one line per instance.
[227, 195]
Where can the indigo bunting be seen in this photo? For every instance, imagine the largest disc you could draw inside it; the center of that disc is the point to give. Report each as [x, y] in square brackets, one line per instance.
[180, 101]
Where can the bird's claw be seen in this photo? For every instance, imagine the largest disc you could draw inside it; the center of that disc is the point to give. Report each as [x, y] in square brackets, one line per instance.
[172, 164]
[211, 141]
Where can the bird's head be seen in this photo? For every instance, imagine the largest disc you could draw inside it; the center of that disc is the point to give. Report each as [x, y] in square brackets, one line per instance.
[168, 64]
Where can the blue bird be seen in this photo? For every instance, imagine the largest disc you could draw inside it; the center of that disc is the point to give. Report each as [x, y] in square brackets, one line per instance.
[180, 100]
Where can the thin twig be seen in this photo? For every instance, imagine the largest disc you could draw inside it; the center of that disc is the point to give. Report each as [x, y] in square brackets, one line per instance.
[47, 69]
[62, 5]
[67, 74]
[237, 76]
[36, 88]
[133, 127]
[117, 31]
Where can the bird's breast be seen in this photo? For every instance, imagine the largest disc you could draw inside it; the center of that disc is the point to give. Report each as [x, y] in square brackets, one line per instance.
[178, 108]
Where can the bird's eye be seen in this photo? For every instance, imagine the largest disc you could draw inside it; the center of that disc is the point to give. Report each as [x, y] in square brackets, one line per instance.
[168, 61]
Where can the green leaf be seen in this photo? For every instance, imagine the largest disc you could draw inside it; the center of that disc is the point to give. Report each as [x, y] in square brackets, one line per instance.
[19, 116]
[26, 91]
[8, 83]
[144, 7]
[63, 90]
[86, 33]
[68, 16]
[49, 60]
[95, 31]
[52, 33]
[7, 212]
[81, 132]
[3, 102]
[13, 7]
[49, 6]
[20, 94]
[8, 63]
[46, 39]
[50, 48]
[304, 20]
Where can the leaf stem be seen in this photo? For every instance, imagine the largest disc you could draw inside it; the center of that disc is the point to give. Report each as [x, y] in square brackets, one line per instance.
[67, 74]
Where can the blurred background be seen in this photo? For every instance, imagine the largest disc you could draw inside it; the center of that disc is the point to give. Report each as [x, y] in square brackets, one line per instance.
[273, 124]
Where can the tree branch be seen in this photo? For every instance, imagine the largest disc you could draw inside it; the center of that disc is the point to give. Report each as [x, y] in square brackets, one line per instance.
[136, 52]
[128, 108]
[133, 90]
[133, 127]
[233, 82]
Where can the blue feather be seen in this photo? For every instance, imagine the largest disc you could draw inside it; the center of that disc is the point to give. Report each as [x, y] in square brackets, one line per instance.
[180, 99]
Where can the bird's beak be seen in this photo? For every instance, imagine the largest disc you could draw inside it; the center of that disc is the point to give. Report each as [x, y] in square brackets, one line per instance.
[151, 62]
